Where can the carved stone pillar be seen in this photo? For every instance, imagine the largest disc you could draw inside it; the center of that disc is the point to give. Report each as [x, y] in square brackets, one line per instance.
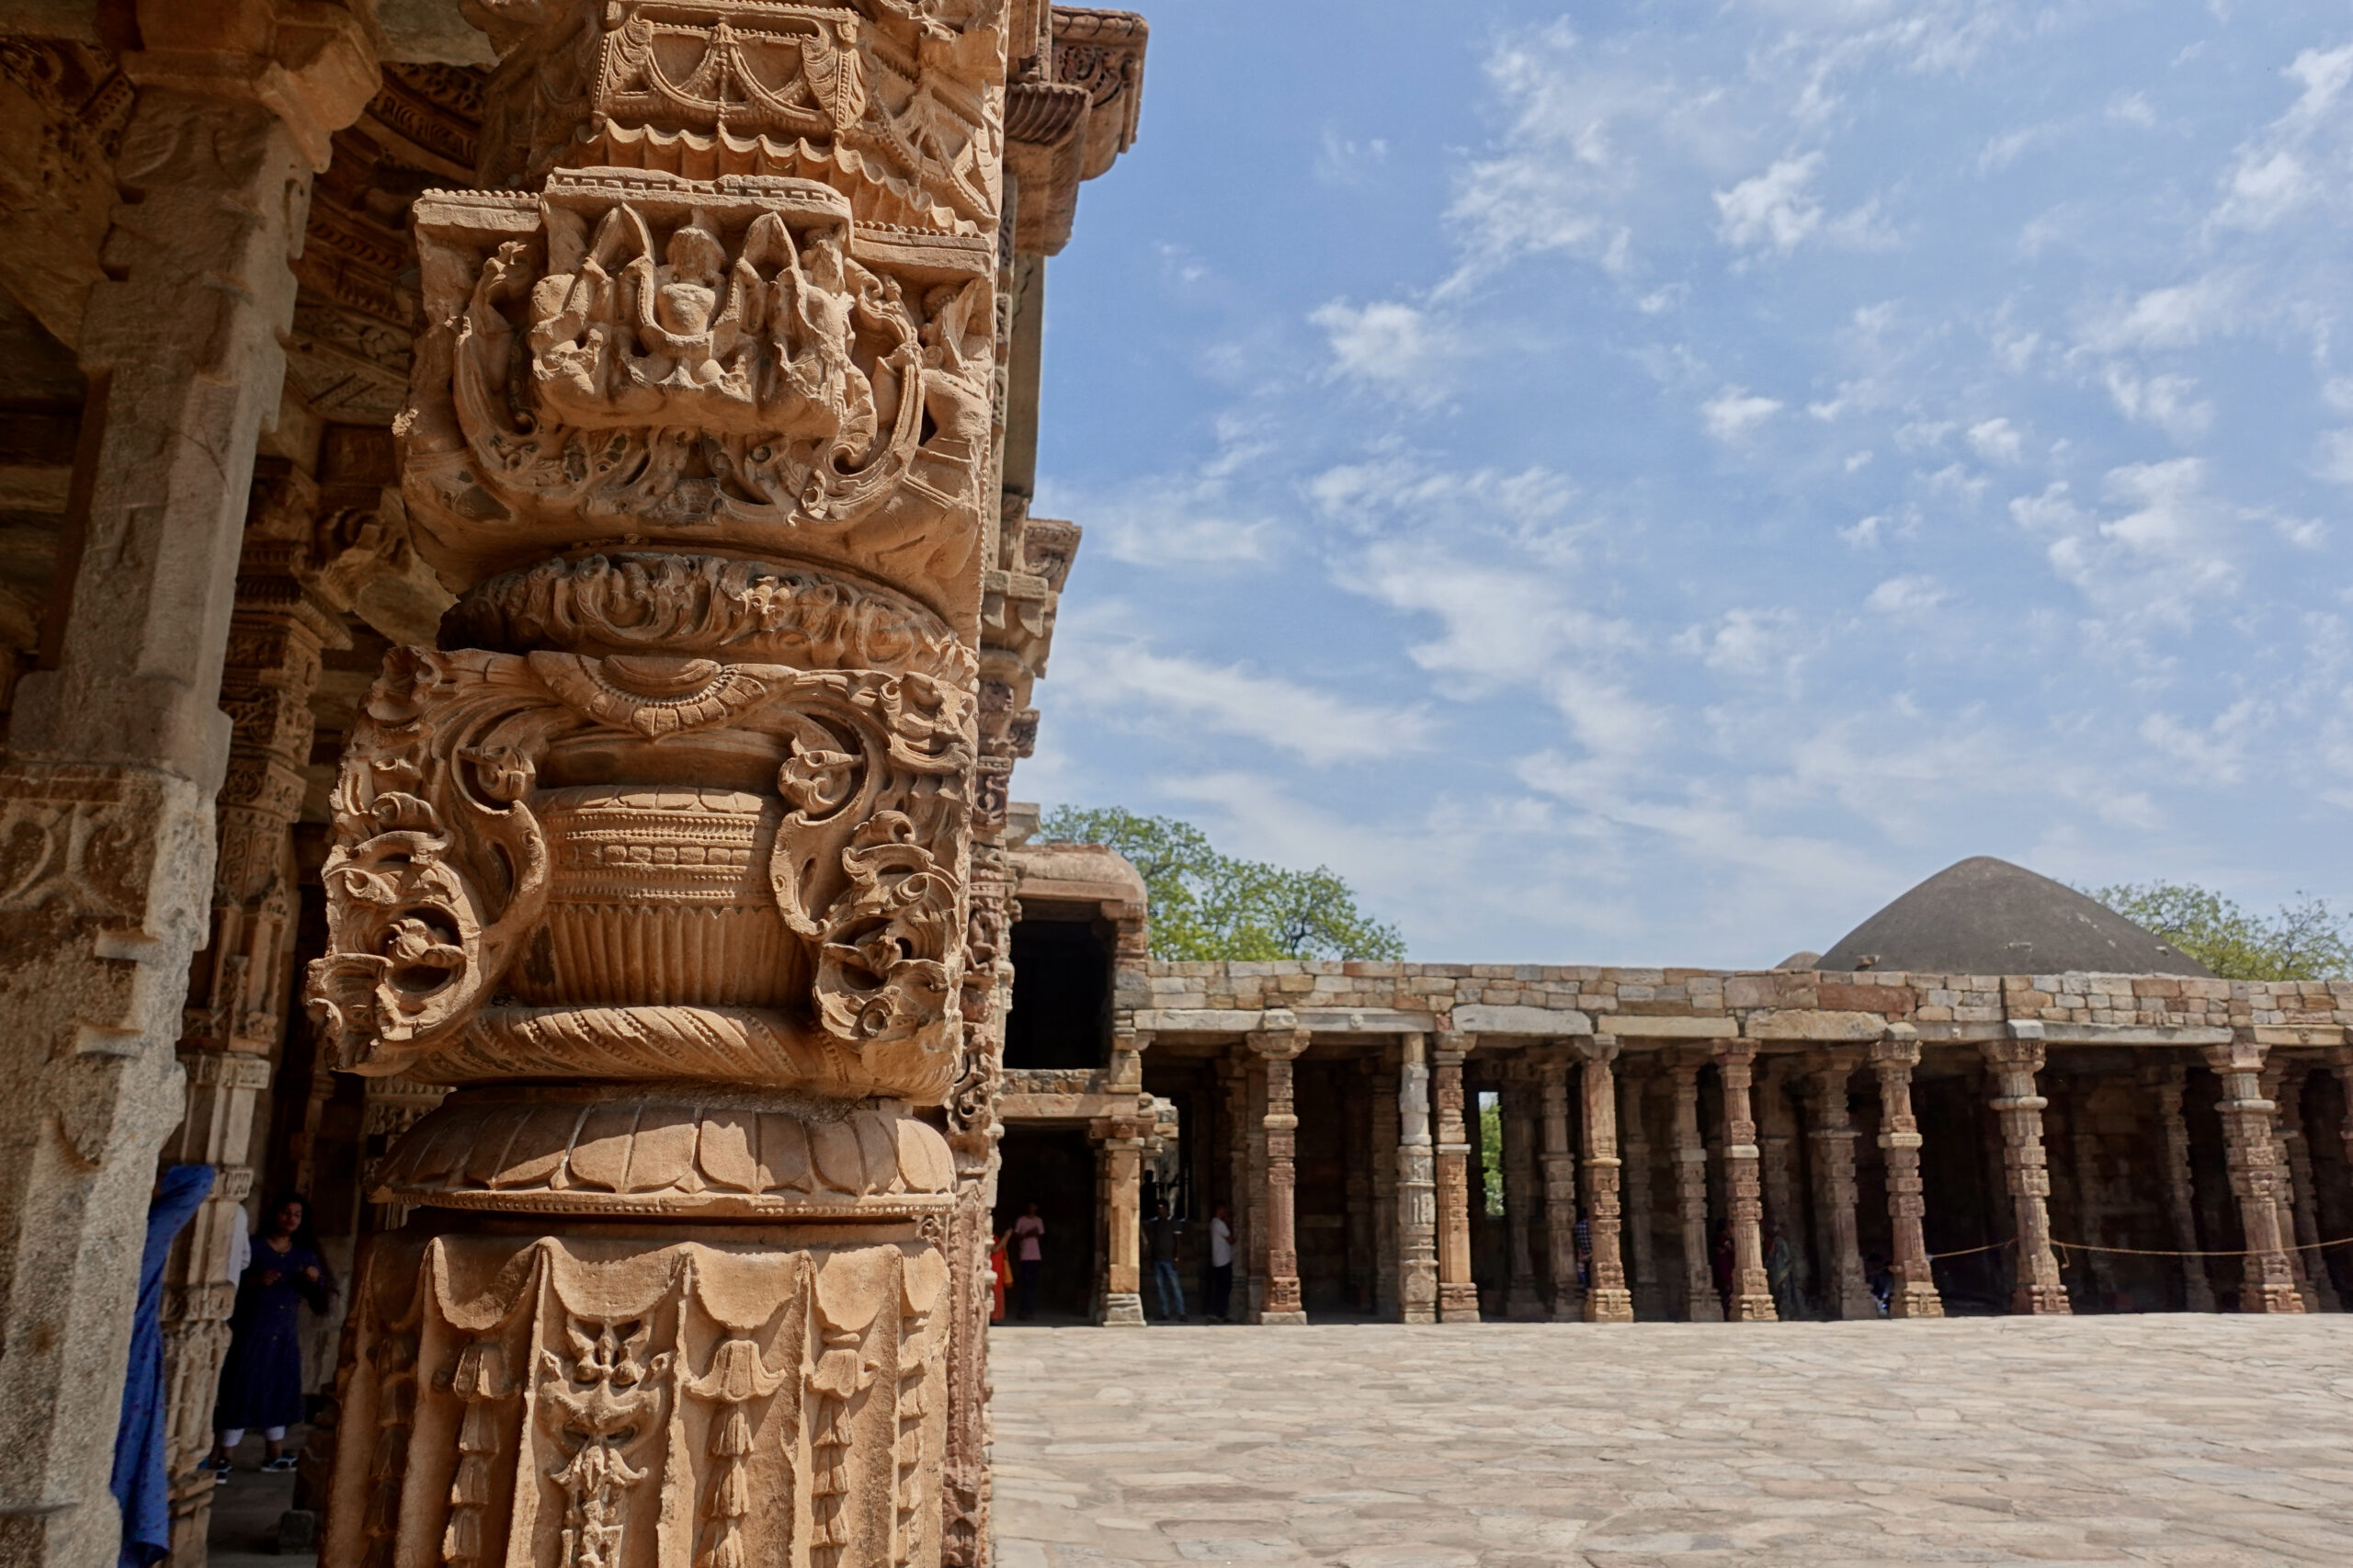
[2283, 1085]
[234, 1023]
[1388, 1228]
[1752, 1293]
[1606, 1299]
[1245, 1136]
[1521, 1303]
[1119, 1155]
[1894, 1058]
[1634, 1147]
[664, 859]
[1560, 1188]
[1701, 1302]
[117, 744]
[1458, 1295]
[1417, 1205]
[973, 1135]
[2268, 1281]
[1777, 1138]
[2091, 1191]
[1278, 1048]
[2319, 1289]
[2181, 1209]
[2012, 1064]
[1848, 1291]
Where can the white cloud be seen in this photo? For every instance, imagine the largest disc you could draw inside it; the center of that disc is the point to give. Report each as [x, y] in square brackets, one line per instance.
[1388, 345]
[2289, 166]
[1735, 414]
[1906, 596]
[1773, 208]
[2168, 401]
[2180, 315]
[1997, 440]
[1349, 164]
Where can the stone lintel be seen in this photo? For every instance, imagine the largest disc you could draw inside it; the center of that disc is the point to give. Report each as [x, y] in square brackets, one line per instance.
[2288, 1034]
[1063, 1107]
[2151, 1034]
[1634, 1026]
[1199, 1020]
[1366, 1020]
[1812, 1025]
[1482, 1018]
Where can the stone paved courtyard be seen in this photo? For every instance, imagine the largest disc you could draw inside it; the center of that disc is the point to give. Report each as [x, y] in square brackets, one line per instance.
[2196, 1442]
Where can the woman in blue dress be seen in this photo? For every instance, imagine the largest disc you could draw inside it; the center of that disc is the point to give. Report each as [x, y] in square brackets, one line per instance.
[261, 1382]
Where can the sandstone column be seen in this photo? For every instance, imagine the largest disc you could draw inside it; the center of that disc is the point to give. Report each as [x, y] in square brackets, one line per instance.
[1606, 1299]
[1417, 1205]
[117, 744]
[2283, 1085]
[2091, 1192]
[1387, 1164]
[2014, 1062]
[1893, 1058]
[1279, 1047]
[1634, 1144]
[2167, 1083]
[1457, 1296]
[1849, 1289]
[1243, 1134]
[1521, 1303]
[1777, 1139]
[1752, 1293]
[1560, 1188]
[1120, 1159]
[2268, 1282]
[1702, 1303]
[663, 858]
[2319, 1289]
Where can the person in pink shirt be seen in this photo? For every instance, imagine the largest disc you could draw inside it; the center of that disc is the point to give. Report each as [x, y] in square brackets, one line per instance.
[1029, 1257]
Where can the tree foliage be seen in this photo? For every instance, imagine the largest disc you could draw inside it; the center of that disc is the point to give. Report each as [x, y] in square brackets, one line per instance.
[1208, 905]
[2303, 942]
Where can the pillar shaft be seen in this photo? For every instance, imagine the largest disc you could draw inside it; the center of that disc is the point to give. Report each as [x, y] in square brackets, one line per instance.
[1120, 1159]
[1279, 1049]
[2268, 1280]
[116, 745]
[2012, 1064]
[2091, 1192]
[2283, 1085]
[1560, 1190]
[1915, 1295]
[1522, 1302]
[1848, 1291]
[1785, 1205]
[1701, 1302]
[1457, 1297]
[2319, 1287]
[1606, 1299]
[1752, 1292]
[1634, 1146]
[2182, 1208]
[1387, 1152]
[1418, 1203]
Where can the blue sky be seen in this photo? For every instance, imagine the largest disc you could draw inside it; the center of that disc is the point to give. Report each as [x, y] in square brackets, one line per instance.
[1647, 482]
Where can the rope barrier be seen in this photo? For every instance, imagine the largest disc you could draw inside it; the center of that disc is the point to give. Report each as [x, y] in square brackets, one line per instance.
[2065, 1247]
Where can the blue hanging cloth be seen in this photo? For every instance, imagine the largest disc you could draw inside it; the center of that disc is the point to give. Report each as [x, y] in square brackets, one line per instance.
[141, 1484]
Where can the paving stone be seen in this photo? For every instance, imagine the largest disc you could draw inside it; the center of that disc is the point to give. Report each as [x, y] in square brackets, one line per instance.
[2183, 1441]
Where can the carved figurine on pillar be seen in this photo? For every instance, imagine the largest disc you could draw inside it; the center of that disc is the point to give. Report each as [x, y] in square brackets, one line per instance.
[1752, 1292]
[1279, 1045]
[2268, 1280]
[664, 857]
[1607, 1298]
[1458, 1295]
[2012, 1064]
[1893, 1057]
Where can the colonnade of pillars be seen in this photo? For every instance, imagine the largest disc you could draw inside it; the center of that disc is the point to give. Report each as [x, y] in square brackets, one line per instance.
[1556, 1184]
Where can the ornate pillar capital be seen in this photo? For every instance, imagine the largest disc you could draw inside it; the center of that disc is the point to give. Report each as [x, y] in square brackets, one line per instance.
[310, 63]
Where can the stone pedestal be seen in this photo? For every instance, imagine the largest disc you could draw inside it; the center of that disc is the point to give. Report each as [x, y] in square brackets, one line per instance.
[1752, 1292]
[1607, 1297]
[2268, 1279]
[1417, 1205]
[1278, 1048]
[1893, 1059]
[2012, 1064]
[1700, 1302]
[1457, 1296]
[1848, 1291]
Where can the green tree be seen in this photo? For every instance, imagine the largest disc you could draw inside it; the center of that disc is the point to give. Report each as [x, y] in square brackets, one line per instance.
[1208, 905]
[2303, 942]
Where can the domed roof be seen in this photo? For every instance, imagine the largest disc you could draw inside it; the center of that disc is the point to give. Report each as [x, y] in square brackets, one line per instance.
[1987, 917]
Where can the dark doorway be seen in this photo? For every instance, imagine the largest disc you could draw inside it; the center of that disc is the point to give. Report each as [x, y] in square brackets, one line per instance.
[1061, 995]
[1055, 1168]
[1967, 1208]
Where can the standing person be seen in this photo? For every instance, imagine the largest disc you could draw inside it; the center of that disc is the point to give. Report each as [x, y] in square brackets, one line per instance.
[261, 1382]
[1221, 1264]
[1165, 1234]
[1781, 1272]
[141, 1483]
[1029, 1257]
[1000, 1275]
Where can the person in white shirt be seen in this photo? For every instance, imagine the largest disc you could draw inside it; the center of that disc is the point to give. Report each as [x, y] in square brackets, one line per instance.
[1221, 1264]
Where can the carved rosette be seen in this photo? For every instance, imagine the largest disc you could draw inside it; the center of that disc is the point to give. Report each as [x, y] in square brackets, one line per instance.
[663, 857]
